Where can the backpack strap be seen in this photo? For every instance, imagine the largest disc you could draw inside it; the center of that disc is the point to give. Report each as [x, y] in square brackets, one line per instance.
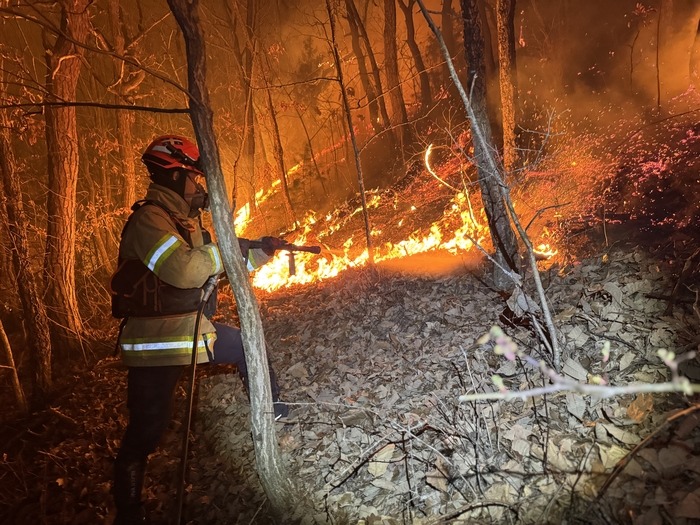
[181, 228]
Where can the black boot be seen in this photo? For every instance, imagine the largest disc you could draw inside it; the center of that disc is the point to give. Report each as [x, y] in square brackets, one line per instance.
[128, 482]
[281, 409]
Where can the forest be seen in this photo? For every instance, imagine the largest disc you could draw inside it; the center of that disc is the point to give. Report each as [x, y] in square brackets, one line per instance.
[501, 325]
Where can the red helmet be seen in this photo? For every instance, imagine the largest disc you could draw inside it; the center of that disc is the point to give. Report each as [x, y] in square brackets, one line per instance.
[171, 152]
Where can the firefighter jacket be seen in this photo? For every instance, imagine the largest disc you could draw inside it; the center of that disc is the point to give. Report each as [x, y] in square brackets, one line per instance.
[162, 237]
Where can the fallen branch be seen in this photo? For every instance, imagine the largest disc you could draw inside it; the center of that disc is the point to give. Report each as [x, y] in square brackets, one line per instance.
[599, 391]
[505, 346]
[447, 518]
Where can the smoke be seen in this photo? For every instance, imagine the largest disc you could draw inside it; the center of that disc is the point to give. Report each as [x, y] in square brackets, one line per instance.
[598, 60]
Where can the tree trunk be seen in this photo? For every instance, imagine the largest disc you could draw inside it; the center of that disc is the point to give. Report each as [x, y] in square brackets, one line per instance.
[374, 68]
[6, 351]
[270, 467]
[391, 67]
[426, 95]
[279, 157]
[694, 66]
[367, 85]
[507, 73]
[351, 130]
[64, 61]
[502, 235]
[123, 87]
[36, 321]
[245, 163]
[448, 34]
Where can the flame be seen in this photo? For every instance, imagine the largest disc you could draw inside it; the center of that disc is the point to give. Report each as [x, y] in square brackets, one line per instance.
[311, 268]
[545, 251]
[459, 229]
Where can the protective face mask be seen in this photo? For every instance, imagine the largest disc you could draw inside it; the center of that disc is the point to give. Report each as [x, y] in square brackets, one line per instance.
[195, 193]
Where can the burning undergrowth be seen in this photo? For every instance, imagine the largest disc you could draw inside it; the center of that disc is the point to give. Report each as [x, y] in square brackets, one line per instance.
[436, 213]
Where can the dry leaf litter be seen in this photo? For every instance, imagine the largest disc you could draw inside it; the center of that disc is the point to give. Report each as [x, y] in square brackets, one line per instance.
[373, 365]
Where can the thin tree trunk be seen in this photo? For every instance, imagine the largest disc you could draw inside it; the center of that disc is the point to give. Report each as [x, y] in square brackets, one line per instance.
[502, 234]
[367, 85]
[279, 157]
[391, 66]
[270, 467]
[64, 62]
[505, 15]
[123, 88]
[426, 95]
[657, 57]
[446, 28]
[248, 146]
[374, 67]
[244, 85]
[490, 164]
[6, 351]
[694, 66]
[35, 317]
[310, 145]
[351, 129]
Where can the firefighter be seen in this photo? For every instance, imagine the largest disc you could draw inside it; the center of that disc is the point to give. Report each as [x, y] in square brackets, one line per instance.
[165, 258]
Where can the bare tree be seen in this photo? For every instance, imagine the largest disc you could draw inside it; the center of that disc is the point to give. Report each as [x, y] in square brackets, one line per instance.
[270, 467]
[447, 15]
[64, 62]
[279, 157]
[391, 67]
[426, 96]
[6, 352]
[694, 69]
[502, 234]
[350, 129]
[125, 84]
[245, 161]
[488, 169]
[371, 91]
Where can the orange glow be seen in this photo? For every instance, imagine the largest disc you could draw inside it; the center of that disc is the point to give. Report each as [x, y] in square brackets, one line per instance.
[545, 251]
[458, 230]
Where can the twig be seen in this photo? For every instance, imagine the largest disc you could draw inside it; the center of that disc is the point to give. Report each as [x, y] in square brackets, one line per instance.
[598, 391]
[369, 453]
[542, 210]
[504, 345]
[463, 510]
[624, 461]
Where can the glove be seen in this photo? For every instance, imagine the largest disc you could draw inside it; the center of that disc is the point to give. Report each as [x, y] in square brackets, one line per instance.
[244, 245]
[271, 244]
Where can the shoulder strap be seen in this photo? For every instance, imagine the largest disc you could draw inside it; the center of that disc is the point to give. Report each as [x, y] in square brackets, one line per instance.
[181, 229]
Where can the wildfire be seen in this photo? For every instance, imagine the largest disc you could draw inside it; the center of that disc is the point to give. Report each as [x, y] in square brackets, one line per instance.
[456, 232]
[459, 229]
[545, 251]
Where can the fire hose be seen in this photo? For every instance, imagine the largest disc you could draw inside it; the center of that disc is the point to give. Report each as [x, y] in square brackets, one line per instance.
[209, 287]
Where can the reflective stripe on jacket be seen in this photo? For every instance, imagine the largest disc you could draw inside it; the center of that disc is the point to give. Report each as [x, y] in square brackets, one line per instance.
[153, 238]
